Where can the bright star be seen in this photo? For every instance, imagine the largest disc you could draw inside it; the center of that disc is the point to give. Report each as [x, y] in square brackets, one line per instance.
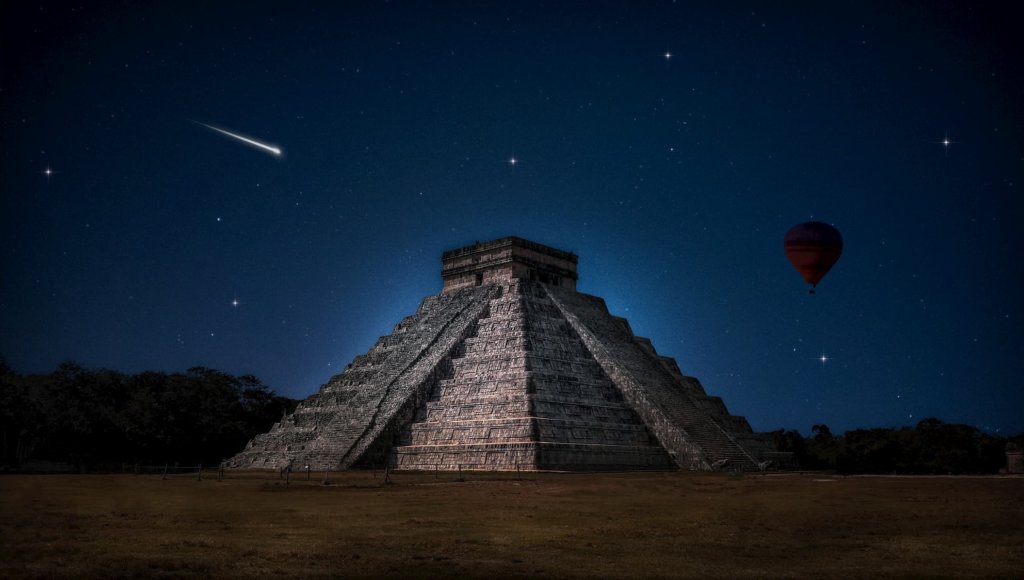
[946, 142]
[513, 161]
[668, 55]
[823, 358]
[48, 173]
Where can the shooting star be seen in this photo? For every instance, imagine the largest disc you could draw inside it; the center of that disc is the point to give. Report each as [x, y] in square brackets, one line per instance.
[275, 151]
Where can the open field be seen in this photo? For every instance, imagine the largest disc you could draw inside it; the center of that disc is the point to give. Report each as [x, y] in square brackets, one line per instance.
[544, 525]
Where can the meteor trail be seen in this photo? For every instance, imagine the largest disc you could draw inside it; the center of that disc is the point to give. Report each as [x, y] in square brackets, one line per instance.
[275, 151]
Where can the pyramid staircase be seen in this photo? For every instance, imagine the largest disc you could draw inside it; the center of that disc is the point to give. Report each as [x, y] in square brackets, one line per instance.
[525, 394]
[333, 428]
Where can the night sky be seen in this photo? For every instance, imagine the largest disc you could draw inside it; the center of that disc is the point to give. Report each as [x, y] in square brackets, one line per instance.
[670, 146]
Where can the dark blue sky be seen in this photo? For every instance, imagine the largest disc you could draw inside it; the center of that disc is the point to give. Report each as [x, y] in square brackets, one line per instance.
[674, 178]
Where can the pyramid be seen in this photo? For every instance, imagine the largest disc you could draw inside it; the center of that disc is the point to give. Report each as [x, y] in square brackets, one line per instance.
[510, 368]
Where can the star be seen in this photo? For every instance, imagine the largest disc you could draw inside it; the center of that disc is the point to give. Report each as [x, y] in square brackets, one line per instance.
[512, 161]
[235, 302]
[668, 55]
[823, 359]
[946, 142]
[48, 173]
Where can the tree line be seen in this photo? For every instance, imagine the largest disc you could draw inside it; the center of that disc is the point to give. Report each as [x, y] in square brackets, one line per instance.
[100, 418]
[930, 447]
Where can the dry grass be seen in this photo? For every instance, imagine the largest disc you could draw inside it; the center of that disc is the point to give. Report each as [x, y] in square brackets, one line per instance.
[545, 525]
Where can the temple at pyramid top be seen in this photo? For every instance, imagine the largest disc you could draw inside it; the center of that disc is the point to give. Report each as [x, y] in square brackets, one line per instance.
[505, 259]
[509, 367]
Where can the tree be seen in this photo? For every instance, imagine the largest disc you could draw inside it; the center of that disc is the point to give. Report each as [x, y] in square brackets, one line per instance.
[18, 418]
[869, 451]
[823, 449]
[946, 448]
[91, 417]
[792, 442]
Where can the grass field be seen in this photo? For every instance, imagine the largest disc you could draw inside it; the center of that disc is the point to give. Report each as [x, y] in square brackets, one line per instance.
[543, 525]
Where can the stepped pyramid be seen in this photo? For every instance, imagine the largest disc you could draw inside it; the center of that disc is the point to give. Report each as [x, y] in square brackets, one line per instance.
[509, 367]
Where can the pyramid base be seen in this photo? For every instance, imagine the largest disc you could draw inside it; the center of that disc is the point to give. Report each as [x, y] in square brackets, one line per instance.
[530, 456]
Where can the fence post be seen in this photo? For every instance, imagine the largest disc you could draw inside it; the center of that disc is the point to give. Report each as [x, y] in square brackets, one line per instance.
[199, 472]
[165, 471]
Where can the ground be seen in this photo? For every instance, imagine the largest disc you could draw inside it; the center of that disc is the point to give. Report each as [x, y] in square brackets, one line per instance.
[540, 525]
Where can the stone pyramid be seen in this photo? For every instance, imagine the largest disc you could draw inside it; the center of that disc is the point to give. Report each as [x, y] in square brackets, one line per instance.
[509, 367]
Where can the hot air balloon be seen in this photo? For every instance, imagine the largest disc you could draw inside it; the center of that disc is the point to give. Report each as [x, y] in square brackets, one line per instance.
[813, 248]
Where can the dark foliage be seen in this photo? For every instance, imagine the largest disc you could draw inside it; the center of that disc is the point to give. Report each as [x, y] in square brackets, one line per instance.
[91, 417]
[932, 446]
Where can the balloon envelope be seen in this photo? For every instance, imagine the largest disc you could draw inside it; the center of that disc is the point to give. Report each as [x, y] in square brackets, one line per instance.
[813, 248]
